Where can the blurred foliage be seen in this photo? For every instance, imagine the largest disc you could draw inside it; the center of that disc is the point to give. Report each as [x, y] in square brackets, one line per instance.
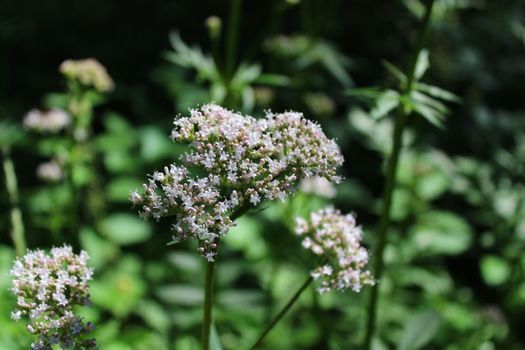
[455, 267]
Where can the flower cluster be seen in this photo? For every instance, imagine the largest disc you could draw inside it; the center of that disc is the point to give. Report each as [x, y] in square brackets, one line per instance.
[88, 72]
[50, 171]
[319, 186]
[246, 160]
[47, 288]
[50, 121]
[337, 239]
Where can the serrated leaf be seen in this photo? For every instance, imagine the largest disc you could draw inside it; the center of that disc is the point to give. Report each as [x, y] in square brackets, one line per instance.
[419, 330]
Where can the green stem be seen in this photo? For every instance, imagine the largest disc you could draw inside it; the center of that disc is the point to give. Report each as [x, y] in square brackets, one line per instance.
[283, 311]
[208, 296]
[233, 36]
[390, 181]
[17, 231]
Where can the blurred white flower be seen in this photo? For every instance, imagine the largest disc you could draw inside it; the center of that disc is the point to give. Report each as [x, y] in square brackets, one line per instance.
[50, 172]
[319, 186]
[50, 121]
[88, 72]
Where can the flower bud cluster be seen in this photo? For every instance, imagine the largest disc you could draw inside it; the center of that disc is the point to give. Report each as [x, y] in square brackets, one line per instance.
[50, 121]
[246, 160]
[47, 288]
[337, 240]
[88, 72]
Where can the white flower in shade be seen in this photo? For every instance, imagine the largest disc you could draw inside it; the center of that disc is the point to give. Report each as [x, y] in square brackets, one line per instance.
[50, 121]
[337, 239]
[88, 72]
[50, 172]
[246, 161]
[47, 287]
[319, 186]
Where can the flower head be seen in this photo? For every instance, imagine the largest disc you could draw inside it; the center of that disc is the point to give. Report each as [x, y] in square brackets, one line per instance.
[47, 287]
[88, 72]
[245, 161]
[50, 171]
[337, 239]
[50, 121]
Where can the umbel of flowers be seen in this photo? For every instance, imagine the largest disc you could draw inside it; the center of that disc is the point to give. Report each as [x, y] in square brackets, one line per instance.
[244, 161]
[47, 287]
[337, 240]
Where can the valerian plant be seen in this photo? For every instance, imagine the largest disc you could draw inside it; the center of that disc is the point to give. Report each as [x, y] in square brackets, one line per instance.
[47, 288]
[234, 164]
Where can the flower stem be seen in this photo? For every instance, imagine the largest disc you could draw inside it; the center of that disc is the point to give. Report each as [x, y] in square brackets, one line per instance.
[17, 225]
[208, 296]
[233, 36]
[390, 181]
[283, 311]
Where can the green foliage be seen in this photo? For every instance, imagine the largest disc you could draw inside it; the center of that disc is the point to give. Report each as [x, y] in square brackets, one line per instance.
[455, 269]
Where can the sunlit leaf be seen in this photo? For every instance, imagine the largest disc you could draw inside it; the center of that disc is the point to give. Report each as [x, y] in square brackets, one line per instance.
[495, 270]
[419, 330]
[422, 64]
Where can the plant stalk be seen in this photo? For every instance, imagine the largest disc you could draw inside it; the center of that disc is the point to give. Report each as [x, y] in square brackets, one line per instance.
[391, 171]
[283, 312]
[17, 224]
[233, 36]
[208, 301]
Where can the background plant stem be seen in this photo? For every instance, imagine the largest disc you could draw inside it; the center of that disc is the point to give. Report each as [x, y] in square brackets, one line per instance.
[233, 36]
[208, 301]
[283, 312]
[390, 181]
[17, 225]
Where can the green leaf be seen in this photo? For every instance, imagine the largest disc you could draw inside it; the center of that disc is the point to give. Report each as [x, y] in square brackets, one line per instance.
[124, 229]
[118, 189]
[99, 249]
[419, 330]
[438, 92]
[422, 64]
[273, 80]
[120, 289]
[180, 294]
[430, 114]
[154, 144]
[396, 72]
[384, 104]
[215, 341]
[495, 270]
[366, 94]
[441, 232]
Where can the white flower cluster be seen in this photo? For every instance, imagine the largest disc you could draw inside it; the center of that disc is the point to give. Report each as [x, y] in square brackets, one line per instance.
[337, 239]
[88, 72]
[319, 186]
[50, 121]
[47, 288]
[50, 171]
[246, 160]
